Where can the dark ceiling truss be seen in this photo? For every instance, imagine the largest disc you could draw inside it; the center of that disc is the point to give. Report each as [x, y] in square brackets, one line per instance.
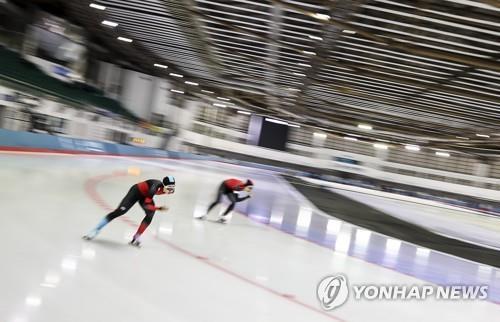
[429, 68]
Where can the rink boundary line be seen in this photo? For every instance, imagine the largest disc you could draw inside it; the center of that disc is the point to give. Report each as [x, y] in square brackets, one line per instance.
[90, 187]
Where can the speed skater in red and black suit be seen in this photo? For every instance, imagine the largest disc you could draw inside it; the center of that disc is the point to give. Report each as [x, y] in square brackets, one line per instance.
[230, 188]
[142, 192]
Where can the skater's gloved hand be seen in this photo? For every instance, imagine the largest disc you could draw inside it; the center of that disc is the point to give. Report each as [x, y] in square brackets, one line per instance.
[163, 208]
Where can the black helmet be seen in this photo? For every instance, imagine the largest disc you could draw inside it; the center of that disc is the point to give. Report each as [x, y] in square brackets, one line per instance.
[249, 183]
[168, 181]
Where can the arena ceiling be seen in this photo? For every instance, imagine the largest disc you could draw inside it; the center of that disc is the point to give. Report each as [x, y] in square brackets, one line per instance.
[424, 72]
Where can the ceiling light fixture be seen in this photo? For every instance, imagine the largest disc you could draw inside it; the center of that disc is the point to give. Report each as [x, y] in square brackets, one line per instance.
[304, 65]
[350, 138]
[442, 154]
[244, 112]
[321, 16]
[276, 121]
[177, 91]
[315, 37]
[109, 23]
[483, 135]
[205, 91]
[97, 6]
[219, 105]
[161, 66]
[380, 146]
[223, 99]
[351, 32]
[176, 75]
[191, 83]
[319, 135]
[124, 39]
[412, 147]
[365, 127]
[309, 52]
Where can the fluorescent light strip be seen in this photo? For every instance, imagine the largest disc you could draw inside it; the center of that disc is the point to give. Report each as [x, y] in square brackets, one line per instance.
[380, 146]
[205, 91]
[299, 74]
[320, 135]
[365, 127]
[294, 125]
[177, 91]
[97, 6]
[191, 83]
[276, 121]
[223, 99]
[304, 65]
[124, 39]
[351, 32]
[309, 52]
[176, 75]
[219, 105]
[244, 112]
[411, 147]
[483, 135]
[109, 23]
[442, 154]
[161, 66]
[316, 38]
[320, 16]
[350, 138]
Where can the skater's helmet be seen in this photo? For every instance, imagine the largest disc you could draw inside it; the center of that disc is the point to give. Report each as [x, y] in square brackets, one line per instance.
[249, 183]
[169, 181]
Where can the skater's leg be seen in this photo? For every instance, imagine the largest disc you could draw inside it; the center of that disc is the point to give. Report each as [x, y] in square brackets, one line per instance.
[220, 192]
[144, 225]
[232, 198]
[128, 201]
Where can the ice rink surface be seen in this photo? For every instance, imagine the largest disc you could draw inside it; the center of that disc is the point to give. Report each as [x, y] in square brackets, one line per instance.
[261, 267]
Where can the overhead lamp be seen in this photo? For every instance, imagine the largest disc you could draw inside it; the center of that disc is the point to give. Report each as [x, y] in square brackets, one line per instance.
[176, 75]
[109, 23]
[161, 66]
[124, 39]
[365, 127]
[97, 6]
[244, 112]
[483, 135]
[304, 65]
[205, 91]
[223, 99]
[276, 121]
[177, 91]
[299, 74]
[351, 32]
[442, 154]
[462, 137]
[315, 37]
[219, 105]
[191, 83]
[321, 16]
[412, 147]
[309, 52]
[350, 138]
[380, 146]
[319, 135]
[294, 125]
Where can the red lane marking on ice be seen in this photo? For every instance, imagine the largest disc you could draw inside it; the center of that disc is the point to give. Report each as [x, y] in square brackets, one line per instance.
[91, 189]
